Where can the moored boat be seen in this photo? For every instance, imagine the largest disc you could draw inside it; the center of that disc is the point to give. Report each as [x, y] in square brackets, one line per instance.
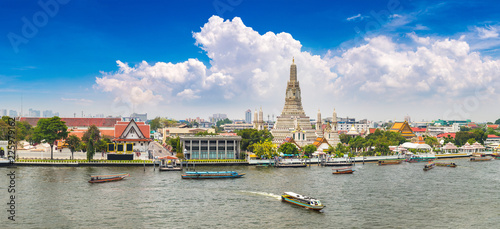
[429, 166]
[302, 201]
[444, 164]
[345, 170]
[212, 175]
[418, 158]
[389, 162]
[107, 178]
[474, 158]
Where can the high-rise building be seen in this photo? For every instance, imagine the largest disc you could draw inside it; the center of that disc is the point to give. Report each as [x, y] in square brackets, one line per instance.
[12, 113]
[33, 113]
[293, 118]
[217, 117]
[47, 114]
[3, 112]
[248, 116]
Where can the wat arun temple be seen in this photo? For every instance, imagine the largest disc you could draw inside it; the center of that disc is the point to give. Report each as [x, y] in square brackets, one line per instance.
[294, 124]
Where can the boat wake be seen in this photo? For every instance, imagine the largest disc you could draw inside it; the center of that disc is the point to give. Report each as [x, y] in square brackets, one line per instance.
[277, 197]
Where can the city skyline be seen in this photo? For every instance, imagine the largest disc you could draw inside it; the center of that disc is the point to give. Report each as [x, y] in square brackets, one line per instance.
[375, 60]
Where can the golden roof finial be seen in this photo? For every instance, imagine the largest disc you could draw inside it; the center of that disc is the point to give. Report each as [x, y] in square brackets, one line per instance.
[293, 60]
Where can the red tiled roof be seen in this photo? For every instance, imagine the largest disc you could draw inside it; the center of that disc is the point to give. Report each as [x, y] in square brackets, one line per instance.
[493, 126]
[372, 130]
[445, 135]
[121, 126]
[493, 136]
[78, 122]
[417, 129]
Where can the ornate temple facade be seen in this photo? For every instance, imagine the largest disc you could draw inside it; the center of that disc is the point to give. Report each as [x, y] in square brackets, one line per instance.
[293, 120]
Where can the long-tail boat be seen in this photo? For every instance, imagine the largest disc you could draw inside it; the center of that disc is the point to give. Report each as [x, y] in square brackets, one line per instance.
[345, 170]
[450, 164]
[302, 201]
[107, 178]
[212, 175]
[389, 162]
[429, 166]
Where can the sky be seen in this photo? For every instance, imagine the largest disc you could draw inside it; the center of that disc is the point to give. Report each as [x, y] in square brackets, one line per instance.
[375, 60]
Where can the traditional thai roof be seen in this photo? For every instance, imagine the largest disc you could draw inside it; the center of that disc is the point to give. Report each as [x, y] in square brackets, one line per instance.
[320, 141]
[132, 131]
[352, 131]
[450, 146]
[493, 136]
[291, 140]
[403, 128]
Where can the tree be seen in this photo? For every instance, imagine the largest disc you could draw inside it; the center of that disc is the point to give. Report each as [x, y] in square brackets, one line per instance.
[497, 121]
[168, 122]
[251, 136]
[432, 141]
[90, 150]
[174, 143]
[92, 133]
[4, 130]
[309, 150]
[344, 138]
[102, 144]
[91, 137]
[222, 122]
[155, 123]
[288, 148]
[265, 149]
[74, 144]
[48, 130]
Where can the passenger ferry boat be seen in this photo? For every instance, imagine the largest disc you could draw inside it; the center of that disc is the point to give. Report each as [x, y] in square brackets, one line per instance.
[212, 175]
[419, 158]
[107, 178]
[302, 201]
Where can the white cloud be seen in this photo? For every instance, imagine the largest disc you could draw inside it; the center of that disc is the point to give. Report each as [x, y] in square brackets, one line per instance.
[357, 16]
[442, 70]
[487, 32]
[251, 69]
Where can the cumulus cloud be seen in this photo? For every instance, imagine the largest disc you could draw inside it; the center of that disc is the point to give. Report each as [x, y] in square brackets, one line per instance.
[250, 68]
[442, 69]
[244, 65]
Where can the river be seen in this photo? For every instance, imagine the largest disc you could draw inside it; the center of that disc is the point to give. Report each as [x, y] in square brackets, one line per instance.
[394, 196]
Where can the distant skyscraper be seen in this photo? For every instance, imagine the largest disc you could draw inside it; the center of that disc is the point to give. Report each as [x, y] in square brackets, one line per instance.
[139, 117]
[3, 112]
[218, 117]
[33, 113]
[248, 116]
[12, 113]
[47, 114]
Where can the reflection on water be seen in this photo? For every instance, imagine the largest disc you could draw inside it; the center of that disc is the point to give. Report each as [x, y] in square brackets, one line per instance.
[373, 197]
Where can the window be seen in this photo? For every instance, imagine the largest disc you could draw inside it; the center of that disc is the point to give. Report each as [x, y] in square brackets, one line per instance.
[213, 155]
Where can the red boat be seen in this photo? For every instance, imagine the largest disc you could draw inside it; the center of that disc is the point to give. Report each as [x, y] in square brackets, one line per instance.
[345, 170]
[107, 178]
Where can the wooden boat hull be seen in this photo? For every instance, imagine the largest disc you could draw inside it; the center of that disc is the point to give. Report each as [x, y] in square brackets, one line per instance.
[106, 180]
[453, 165]
[344, 172]
[391, 162]
[298, 203]
[481, 158]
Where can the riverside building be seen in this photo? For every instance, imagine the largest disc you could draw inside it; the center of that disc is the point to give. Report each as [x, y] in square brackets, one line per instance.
[211, 147]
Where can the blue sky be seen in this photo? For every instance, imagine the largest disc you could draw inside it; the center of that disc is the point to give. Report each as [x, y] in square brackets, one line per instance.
[367, 59]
